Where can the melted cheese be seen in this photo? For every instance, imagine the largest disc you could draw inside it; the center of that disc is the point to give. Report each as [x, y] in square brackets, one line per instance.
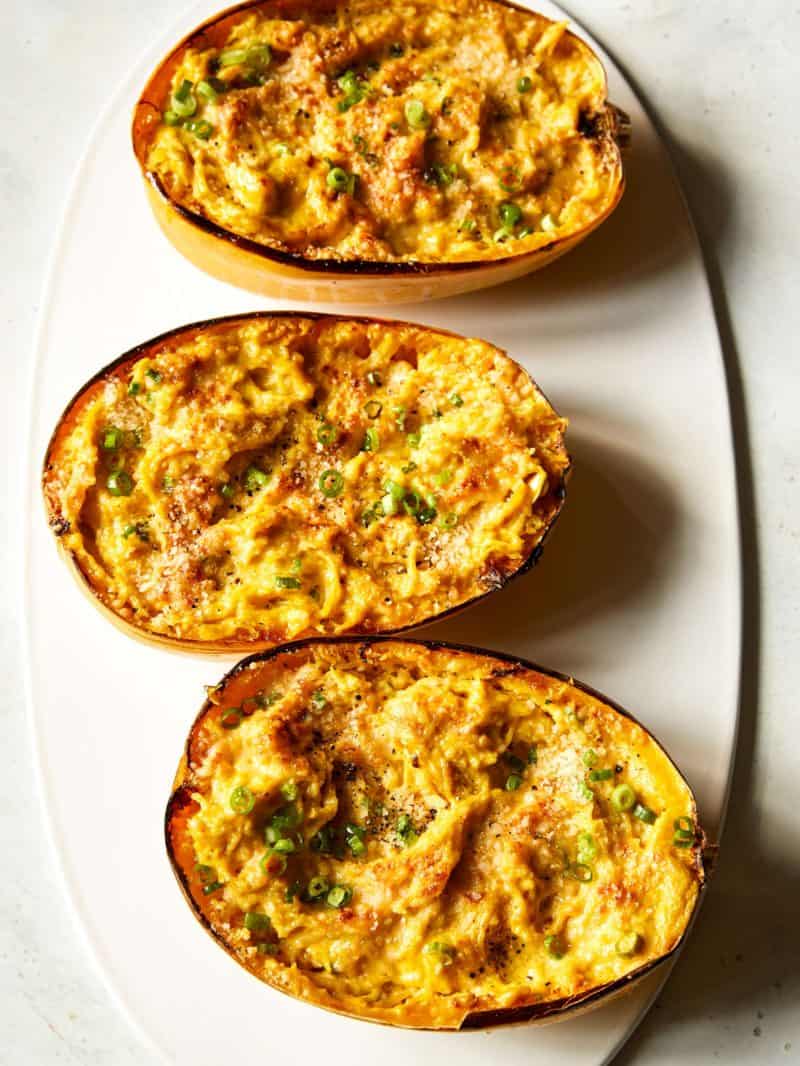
[440, 115]
[469, 894]
[230, 437]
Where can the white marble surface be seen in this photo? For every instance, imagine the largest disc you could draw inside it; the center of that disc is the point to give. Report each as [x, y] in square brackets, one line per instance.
[720, 79]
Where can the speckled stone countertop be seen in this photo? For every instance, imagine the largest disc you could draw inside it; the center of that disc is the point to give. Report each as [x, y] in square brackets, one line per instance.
[721, 79]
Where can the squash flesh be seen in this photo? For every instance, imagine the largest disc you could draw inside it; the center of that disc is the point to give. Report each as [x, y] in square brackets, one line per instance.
[424, 195]
[457, 922]
[226, 432]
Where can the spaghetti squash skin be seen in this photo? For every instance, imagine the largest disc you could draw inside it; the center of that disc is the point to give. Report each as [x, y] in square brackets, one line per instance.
[374, 137]
[427, 835]
[240, 483]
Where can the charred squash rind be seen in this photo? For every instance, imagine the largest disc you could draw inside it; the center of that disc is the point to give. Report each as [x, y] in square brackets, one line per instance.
[270, 271]
[495, 577]
[181, 856]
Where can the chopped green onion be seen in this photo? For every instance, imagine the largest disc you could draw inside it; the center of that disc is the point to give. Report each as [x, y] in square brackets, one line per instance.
[167, 484]
[584, 791]
[139, 528]
[601, 775]
[444, 477]
[514, 761]
[184, 103]
[353, 89]
[134, 388]
[456, 400]
[400, 418]
[289, 790]
[266, 947]
[510, 215]
[372, 408]
[112, 438]
[205, 874]
[374, 378]
[466, 225]
[171, 118]
[409, 468]
[208, 90]
[371, 441]
[587, 848]
[644, 814]
[450, 520]
[414, 439]
[214, 886]
[119, 483]
[227, 490]
[259, 56]
[340, 181]
[589, 757]
[154, 375]
[554, 947]
[232, 57]
[318, 698]
[327, 434]
[509, 180]
[354, 838]
[579, 871]
[395, 490]
[242, 800]
[406, 832]
[524, 84]
[629, 944]
[426, 515]
[274, 863]
[684, 827]
[255, 479]
[257, 922]
[231, 718]
[288, 817]
[330, 483]
[682, 842]
[200, 128]
[287, 582]
[623, 798]
[416, 115]
[338, 896]
[439, 174]
[317, 887]
[284, 846]
[513, 782]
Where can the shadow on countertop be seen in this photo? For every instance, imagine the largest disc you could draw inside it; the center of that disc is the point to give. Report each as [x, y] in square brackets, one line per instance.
[741, 966]
[610, 546]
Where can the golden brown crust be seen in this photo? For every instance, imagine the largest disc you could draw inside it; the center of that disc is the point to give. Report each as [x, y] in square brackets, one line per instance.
[452, 904]
[217, 399]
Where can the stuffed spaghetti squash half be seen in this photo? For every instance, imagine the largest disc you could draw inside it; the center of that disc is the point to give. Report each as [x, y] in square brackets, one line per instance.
[370, 151]
[244, 482]
[431, 836]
